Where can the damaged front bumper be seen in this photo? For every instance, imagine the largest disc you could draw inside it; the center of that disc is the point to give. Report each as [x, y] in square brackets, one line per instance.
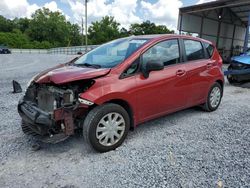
[238, 72]
[42, 124]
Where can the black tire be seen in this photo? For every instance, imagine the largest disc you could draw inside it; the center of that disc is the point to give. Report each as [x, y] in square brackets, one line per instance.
[208, 106]
[91, 122]
[231, 79]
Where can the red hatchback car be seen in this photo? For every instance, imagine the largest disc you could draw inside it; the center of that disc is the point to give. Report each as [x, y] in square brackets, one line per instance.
[119, 85]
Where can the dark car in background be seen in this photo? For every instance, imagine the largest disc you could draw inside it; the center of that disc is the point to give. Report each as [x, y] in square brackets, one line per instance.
[4, 50]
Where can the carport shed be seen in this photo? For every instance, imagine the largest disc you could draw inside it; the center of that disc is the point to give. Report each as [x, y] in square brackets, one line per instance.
[224, 22]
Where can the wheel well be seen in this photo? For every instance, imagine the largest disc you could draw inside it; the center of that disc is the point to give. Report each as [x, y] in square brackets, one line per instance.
[221, 84]
[127, 107]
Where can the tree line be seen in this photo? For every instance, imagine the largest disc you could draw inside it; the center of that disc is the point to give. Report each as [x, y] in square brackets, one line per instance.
[47, 29]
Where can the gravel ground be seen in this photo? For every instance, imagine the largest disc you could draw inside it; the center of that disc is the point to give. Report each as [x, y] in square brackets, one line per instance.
[190, 148]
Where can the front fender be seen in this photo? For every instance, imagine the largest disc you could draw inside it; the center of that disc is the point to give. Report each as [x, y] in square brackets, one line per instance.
[107, 89]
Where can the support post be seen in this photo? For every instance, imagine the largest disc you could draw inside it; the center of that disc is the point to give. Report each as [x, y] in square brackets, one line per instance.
[82, 32]
[218, 34]
[86, 26]
[201, 30]
[247, 34]
[180, 28]
[232, 43]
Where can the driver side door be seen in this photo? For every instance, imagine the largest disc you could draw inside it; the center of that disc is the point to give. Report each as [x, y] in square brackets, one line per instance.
[163, 91]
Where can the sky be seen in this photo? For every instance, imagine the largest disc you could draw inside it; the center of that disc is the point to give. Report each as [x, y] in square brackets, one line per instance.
[163, 12]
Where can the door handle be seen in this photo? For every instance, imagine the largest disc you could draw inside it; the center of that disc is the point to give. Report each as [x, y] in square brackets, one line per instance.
[180, 72]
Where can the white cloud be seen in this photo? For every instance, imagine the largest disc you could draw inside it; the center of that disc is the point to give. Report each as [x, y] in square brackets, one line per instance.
[16, 8]
[52, 6]
[21, 8]
[162, 12]
[124, 11]
[204, 1]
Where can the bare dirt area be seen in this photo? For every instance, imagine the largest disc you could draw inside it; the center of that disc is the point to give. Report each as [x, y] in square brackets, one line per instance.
[190, 148]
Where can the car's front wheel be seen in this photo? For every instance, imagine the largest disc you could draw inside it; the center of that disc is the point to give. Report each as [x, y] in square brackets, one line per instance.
[106, 127]
[213, 98]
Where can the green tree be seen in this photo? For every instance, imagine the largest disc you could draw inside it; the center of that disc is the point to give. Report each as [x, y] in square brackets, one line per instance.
[22, 24]
[6, 25]
[14, 39]
[124, 32]
[148, 27]
[105, 30]
[48, 29]
[46, 25]
[74, 34]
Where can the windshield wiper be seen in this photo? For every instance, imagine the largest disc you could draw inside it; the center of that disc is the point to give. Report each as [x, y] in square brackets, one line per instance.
[90, 65]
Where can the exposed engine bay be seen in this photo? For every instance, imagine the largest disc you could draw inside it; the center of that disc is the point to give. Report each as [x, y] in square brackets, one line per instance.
[55, 108]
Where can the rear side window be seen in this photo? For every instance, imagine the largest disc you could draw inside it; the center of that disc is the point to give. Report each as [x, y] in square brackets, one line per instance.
[210, 49]
[194, 50]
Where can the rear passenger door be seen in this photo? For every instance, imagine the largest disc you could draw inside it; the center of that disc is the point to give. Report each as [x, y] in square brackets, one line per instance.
[197, 66]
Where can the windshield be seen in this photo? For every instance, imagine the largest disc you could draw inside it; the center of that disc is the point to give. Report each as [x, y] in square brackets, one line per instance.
[110, 54]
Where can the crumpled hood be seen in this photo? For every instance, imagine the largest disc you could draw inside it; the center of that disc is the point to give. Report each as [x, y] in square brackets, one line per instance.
[242, 59]
[67, 73]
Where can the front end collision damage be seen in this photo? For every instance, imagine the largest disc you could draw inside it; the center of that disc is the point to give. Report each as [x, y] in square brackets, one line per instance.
[238, 72]
[53, 112]
[239, 69]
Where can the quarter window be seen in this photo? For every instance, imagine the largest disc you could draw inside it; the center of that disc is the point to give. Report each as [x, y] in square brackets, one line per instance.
[194, 50]
[166, 52]
[132, 69]
[210, 49]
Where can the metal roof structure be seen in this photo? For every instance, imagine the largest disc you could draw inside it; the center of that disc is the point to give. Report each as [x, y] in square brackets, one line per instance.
[239, 9]
[223, 22]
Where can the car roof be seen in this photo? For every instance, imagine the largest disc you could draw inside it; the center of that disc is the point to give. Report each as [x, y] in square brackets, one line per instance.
[162, 36]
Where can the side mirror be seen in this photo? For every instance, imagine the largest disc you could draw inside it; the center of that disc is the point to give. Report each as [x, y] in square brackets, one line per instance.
[152, 66]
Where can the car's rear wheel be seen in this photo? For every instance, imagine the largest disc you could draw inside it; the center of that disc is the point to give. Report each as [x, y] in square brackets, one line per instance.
[213, 98]
[106, 127]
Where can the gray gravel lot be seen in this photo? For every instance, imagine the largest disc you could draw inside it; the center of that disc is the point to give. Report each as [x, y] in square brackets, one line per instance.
[190, 148]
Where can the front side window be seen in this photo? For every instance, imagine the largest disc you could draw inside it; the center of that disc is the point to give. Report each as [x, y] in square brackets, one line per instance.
[166, 52]
[194, 50]
[110, 54]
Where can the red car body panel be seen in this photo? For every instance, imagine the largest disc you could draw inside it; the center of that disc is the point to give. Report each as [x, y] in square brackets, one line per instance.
[176, 87]
[164, 91]
[68, 74]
